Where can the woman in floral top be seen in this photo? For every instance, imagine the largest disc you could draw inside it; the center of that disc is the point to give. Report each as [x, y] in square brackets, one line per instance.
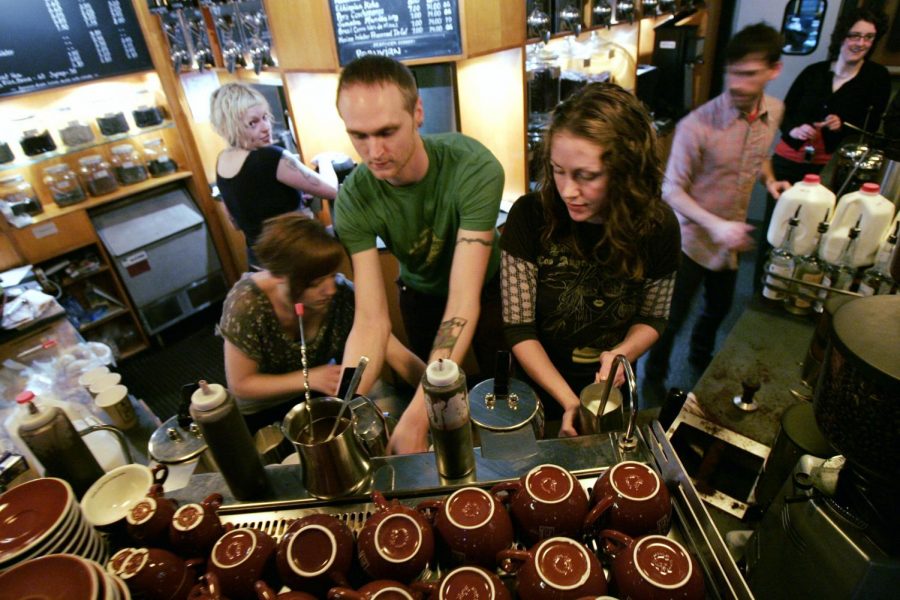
[262, 336]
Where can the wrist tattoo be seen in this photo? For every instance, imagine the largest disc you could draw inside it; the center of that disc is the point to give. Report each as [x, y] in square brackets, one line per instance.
[447, 334]
[467, 240]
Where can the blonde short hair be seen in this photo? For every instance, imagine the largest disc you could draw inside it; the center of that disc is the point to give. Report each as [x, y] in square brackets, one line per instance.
[228, 104]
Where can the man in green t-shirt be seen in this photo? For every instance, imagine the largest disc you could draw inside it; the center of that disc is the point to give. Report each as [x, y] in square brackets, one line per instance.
[434, 202]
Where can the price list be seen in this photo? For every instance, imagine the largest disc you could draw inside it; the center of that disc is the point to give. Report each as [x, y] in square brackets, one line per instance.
[401, 29]
[50, 43]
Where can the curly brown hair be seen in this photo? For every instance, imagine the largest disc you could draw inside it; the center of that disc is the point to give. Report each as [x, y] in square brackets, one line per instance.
[616, 121]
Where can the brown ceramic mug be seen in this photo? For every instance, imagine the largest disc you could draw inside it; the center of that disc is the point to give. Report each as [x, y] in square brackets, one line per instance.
[396, 542]
[264, 592]
[652, 566]
[147, 520]
[117, 561]
[207, 588]
[630, 497]
[382, 589]
[466, 583]
[240, 558]
[315, 554]
[157, 574]
[196, 527]
[473, 524]
[546, 502]
[558, 568]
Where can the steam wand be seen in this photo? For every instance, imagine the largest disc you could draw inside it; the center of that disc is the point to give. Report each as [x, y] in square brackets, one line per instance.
[298, 309]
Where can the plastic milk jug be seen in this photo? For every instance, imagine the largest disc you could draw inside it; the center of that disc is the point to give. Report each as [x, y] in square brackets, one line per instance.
[876, 212]
[816, 201]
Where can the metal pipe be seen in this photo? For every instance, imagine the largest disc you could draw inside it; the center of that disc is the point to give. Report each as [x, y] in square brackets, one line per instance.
[120, 437]
[628, 441]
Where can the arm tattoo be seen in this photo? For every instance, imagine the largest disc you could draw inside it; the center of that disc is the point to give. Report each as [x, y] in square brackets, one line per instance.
[447, 334]
[295, 165]
[467, 240]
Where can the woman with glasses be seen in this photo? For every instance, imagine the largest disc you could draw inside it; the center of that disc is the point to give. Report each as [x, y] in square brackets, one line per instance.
[257, 179]
[588, 261]
[846, 89]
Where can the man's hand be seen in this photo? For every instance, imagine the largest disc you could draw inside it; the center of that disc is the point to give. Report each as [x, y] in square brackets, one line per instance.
[832, 122]
[732, 235]
[804, 132]
[776, 188]
[325, 379]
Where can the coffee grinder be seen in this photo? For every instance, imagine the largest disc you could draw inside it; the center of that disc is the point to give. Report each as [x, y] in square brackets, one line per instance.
[836, 534]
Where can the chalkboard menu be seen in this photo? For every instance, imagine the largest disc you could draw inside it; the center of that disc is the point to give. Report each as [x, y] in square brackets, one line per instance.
[401, 29]
[49, 43]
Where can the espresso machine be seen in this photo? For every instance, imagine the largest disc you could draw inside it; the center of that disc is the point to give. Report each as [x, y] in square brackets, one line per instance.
[834, 529]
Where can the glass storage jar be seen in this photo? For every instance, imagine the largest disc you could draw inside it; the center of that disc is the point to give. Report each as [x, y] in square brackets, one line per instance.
[19, 197]
[97, 176]
[73, 131]
[34, 138]
[128, 165]
[113, 123]
[6, 153]
[146, 112]
[157, 157]
[63, 185]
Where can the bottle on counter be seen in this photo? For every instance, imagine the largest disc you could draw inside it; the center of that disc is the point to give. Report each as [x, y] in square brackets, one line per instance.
[157, 158]
[447, 404]
[63, 185]
[876, 212]
[877, 279]
[228, 438]
[817, 201]
[97, 175]
[841, 274]
[781, 261]
[50, 435]
[128, 165]
[810, 268]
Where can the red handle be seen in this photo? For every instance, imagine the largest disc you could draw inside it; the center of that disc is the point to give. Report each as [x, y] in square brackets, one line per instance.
[344, 593]
[264, 592]
[596, 512]
[510, 487]
[379, 500]
[160, 473]
[511, 560]
[429, 509]
[615, 541]
[429, 588]
[213, 501]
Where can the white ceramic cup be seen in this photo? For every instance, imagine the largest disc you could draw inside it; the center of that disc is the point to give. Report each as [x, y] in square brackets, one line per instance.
[116, 403]
[104, 381]
[108, 499]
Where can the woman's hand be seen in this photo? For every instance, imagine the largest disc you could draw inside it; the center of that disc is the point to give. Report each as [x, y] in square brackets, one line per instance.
[325, 379]
[804, 132]
[606, 363]
[567, 427]
[832, 122]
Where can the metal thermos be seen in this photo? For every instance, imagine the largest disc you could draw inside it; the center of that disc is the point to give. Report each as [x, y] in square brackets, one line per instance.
[52, 438]
[447, 403]
[228, 438]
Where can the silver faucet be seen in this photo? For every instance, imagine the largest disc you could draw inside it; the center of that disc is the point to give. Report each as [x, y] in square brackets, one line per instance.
[627, 441]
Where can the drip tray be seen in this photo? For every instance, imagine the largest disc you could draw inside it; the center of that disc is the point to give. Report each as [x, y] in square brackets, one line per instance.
[723, 465]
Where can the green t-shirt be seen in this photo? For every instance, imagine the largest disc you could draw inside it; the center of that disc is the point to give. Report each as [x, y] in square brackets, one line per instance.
[418, 222]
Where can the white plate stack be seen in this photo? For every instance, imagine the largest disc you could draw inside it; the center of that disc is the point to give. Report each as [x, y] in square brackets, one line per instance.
[42, 517]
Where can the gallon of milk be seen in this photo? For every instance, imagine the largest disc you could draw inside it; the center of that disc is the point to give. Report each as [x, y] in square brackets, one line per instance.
[876, 213]
[815, 200]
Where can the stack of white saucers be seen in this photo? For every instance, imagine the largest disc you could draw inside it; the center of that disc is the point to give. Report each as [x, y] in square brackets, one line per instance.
[42, 517]
[61, 577]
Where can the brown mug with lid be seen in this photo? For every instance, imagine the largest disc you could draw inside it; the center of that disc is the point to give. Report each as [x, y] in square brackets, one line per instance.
[315, 554]
[239, 559]
[630, 497]
[264, 592]
[196, 527]
[396, 542]
[148, 518]
[652, 566]
[465, 583]
[381, 589]
[557, 568]
[157, 574]
[473, 524]
[547, 501]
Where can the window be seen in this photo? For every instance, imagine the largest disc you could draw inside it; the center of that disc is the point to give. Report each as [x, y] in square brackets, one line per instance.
[802, 25]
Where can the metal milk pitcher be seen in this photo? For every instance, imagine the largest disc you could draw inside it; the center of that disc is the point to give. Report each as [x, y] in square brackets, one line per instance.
[335, 466]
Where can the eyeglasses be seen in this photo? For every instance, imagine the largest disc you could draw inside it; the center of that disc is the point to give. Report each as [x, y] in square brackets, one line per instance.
[855, 36]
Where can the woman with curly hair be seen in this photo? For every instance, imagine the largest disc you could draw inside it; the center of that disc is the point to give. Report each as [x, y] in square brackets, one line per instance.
[589, 260]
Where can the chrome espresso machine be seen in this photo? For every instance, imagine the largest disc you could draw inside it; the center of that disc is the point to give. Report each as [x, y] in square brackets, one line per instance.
[834, 529]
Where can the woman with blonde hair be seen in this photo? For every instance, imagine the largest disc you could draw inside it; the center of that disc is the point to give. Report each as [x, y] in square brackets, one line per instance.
[589, 260]
[256, 178]
[263, 366]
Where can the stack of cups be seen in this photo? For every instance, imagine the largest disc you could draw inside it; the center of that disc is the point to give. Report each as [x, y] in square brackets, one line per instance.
[110, 396]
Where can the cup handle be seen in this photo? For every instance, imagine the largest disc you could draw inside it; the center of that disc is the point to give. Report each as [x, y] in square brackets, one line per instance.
[596, 512]
[511, 560]
[263, 591]
[429, 508]
[510, 487]
[379, 500]
[339, 579]
[213, 501]
[156, 491]
[160, 473]
[426, 588]
[614, 541]
[343, 593]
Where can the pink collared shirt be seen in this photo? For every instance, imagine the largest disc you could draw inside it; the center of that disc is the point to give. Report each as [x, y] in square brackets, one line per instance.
[716, 157]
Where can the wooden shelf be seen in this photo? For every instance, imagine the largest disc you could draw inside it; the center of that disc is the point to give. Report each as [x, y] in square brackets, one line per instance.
[112, 314]
[128, 353]
[73, 280]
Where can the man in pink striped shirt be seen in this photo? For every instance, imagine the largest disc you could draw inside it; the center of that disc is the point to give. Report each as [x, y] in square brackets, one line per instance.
[718, 154]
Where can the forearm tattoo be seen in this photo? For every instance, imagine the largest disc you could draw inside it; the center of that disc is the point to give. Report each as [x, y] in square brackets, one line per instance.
[467, 240]
[447, 334]
[295, 165]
